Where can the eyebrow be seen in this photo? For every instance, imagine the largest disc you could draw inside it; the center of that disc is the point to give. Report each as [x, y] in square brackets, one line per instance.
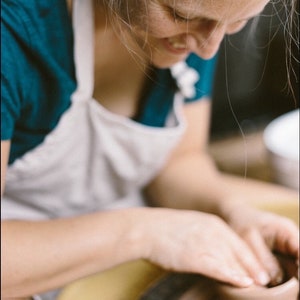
[191, 16]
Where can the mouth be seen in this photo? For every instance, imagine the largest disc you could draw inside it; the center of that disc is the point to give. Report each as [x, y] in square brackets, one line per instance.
[175, 45]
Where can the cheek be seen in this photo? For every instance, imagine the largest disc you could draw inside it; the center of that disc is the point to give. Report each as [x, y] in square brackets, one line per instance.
[158, 25]
[161, 28]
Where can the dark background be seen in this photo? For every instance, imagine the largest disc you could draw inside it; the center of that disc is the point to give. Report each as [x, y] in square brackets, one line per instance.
[254, 83]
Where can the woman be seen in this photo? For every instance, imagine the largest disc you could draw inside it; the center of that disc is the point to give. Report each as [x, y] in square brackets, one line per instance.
[106, 114]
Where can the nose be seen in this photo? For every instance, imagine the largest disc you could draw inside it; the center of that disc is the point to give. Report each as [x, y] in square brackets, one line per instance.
[208, 38]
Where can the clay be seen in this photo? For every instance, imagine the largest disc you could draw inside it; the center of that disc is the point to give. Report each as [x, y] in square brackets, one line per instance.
[195, 287]
[288, 289]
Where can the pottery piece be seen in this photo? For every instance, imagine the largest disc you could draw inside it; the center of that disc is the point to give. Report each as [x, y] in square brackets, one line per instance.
[288, 289]
[281, 138]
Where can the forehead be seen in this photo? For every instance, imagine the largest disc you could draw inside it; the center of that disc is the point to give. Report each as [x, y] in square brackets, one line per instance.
[218, 9]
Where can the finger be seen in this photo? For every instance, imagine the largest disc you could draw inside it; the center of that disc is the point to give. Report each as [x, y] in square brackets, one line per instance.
[265, 256]
[225, 270]
[287, 239]
[250, 263]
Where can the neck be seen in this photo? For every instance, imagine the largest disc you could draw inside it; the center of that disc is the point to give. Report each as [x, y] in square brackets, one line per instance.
[69, 5]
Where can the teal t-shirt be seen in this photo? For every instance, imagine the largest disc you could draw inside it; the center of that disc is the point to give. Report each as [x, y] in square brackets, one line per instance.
[38, 74]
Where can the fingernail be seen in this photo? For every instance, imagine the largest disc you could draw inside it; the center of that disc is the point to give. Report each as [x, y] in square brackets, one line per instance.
[263, 278]
[244, 280]
[247, 281]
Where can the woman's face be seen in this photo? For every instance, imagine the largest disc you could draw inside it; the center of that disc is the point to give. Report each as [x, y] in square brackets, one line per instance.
[175, 28]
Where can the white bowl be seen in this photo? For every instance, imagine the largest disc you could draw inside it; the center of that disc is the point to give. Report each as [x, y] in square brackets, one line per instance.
[281, 138]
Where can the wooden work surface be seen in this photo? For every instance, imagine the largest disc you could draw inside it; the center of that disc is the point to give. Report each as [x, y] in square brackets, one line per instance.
[243, 155]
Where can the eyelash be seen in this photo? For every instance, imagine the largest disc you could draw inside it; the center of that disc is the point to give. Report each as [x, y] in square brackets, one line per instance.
[175, 16]
[180, 18]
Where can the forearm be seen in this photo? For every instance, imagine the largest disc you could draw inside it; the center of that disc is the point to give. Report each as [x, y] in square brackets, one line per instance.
[256, 193]
[190, 182]
[40, 256]
[193, 182]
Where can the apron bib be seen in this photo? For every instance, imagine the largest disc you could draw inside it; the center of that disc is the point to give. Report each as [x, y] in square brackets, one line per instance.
[94, 159]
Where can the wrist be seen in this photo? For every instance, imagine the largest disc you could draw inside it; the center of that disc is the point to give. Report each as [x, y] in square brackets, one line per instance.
[229, 208]
[146, 231]
[137, 232]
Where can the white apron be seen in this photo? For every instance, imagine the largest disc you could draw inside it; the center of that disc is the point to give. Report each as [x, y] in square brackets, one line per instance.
[94, 159]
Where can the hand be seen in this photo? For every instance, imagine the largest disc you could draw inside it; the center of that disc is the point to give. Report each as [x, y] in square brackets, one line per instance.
[265, 233]
[190, 241]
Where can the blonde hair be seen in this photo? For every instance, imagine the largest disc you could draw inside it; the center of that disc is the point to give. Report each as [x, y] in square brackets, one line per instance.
[131, 13]
[290, 23]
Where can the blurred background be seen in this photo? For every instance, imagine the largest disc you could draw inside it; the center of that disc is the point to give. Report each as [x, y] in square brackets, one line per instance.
[250, 91]
[251, 77]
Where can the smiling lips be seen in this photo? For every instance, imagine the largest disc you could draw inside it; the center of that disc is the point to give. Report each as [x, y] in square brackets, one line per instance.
[176, 46]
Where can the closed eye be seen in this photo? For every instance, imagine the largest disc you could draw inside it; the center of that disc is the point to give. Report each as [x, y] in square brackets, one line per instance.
[178, 17]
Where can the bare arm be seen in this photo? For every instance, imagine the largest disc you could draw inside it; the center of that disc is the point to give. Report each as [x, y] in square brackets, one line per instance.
[38, 256]
[5, 147]
[191, 180]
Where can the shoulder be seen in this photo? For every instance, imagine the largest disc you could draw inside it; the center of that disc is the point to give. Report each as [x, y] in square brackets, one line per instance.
[38, 36]
[16, 12]
[13, 39]
[37, 67]
[30, 7]
[26, 19]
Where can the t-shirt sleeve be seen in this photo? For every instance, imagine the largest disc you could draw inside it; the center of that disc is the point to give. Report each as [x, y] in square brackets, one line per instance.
[195, 77]
[10, 67]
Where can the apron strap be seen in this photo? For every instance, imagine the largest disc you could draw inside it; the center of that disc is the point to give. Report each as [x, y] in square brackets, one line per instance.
[83, 28]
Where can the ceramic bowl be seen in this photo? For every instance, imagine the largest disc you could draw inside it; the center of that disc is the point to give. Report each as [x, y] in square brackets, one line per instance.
[288, 289]
[281, 138]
